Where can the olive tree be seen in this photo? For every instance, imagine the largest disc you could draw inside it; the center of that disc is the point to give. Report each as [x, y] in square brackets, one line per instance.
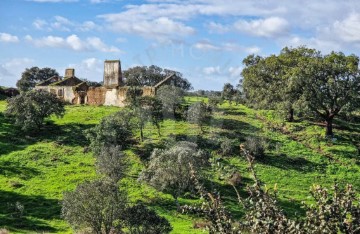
[169, 169]
[113, 130]
[141, 220]
[112, 162]
[29, 109]
[198, 113]
[171, 97]
[98, 205]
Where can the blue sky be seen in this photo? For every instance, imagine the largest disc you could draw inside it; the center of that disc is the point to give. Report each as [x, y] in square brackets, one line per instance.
[206, 40]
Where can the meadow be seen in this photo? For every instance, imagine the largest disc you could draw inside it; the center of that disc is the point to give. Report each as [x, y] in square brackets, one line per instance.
[36, 168]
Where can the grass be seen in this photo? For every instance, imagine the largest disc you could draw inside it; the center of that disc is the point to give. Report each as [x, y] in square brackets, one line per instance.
[35, 170]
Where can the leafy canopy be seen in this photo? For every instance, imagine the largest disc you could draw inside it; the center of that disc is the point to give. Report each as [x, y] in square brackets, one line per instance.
[29, 109]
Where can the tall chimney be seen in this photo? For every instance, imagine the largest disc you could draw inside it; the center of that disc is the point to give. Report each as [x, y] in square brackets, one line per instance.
[69, 72]
[112, 73]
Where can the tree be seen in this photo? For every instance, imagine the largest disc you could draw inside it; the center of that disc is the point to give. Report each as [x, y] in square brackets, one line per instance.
[154, 108]
[171, 98]
[150, 76]
[169, 170]
[113, 130]
[97, 204]
[269, 83]
[198, 113]
[330, 85]
[214, 101]
[228, 92]
[111, 162]
[141, 220]
[29, 109]
[34, 75]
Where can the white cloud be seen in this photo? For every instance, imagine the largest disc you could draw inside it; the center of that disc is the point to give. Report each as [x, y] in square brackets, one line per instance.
[6, 37]
[97, 1]
[217, 27]
[73, 42]
[60, 23]
[11, 69]
[205, 45]
[211, 70]
[348, 29]
[269, 27]
[54, 1]
[235, 71]
[89, 68]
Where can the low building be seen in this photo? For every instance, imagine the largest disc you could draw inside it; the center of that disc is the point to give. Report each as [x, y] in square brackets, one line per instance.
[113, 92]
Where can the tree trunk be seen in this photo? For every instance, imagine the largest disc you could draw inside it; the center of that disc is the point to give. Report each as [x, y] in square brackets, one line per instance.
[290, 117]
[141, 134]
[329, 127]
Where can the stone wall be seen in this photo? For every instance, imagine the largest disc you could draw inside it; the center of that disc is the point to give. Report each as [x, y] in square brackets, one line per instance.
[96, 96]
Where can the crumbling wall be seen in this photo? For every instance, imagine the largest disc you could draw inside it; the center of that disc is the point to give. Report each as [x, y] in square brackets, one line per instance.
[112, 73]
[96, 95]
[148, 91]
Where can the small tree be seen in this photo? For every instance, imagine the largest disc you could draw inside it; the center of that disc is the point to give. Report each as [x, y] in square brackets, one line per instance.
[153, 106]
[169, 169]
[113, 130]
[29, 109]
[228, 92]
[214, 101]
[141, 220]
[111, 162]
[97, 204]
[33, 75]
[171, 97]
[198, 113]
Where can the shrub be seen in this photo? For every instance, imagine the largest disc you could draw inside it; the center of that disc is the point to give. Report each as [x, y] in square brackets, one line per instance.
[97, 204]
[256, 147]
[113, 130]
[29, 109]
[169, 169]
[111, 162]
[226, 146]
[140, 220]
[198, 113]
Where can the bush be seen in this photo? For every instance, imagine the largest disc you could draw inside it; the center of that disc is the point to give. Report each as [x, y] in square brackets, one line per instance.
[140, 220]
[256, 147]
[29, 109]
[111, 162]
[226, 146]
[169, 170]
[97, 204]
[113, 130]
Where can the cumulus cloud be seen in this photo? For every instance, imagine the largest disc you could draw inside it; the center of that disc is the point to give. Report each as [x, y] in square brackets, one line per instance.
[60, 23]
[269, 27]
[211, 70]
[89, 68]
[205, 45]
[6, 37]
[73, 42]
[11, 69]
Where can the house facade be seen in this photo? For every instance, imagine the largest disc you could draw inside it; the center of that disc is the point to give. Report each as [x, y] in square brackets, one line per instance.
[113, 92]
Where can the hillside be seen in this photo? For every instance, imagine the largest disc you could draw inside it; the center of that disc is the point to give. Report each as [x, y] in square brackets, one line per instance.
[36, 169]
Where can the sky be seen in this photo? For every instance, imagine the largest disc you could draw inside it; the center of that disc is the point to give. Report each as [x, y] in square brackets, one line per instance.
[205, 40]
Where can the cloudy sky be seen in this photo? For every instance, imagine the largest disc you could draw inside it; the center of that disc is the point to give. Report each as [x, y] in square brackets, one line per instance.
[206, 40]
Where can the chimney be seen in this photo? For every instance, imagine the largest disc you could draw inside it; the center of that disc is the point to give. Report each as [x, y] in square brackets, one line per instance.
[112, 73]
[69, 72]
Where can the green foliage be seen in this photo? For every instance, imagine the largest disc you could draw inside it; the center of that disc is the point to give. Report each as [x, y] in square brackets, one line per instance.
[141, 220]
[198, 113]
[150, 76]
[256, 147]
[171, 98]
[214, 101]
[97, 204]
[111, 162]
[34, 75]
[169, 169]
[226, 146]
[337, 212]
[29, 109]
[228, 92]
[113, 130]
[303, 80]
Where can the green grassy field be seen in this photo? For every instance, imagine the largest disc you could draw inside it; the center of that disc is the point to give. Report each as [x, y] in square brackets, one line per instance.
[36, 169]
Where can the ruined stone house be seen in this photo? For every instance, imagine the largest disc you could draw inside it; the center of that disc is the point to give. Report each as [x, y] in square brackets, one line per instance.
[113, 92]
